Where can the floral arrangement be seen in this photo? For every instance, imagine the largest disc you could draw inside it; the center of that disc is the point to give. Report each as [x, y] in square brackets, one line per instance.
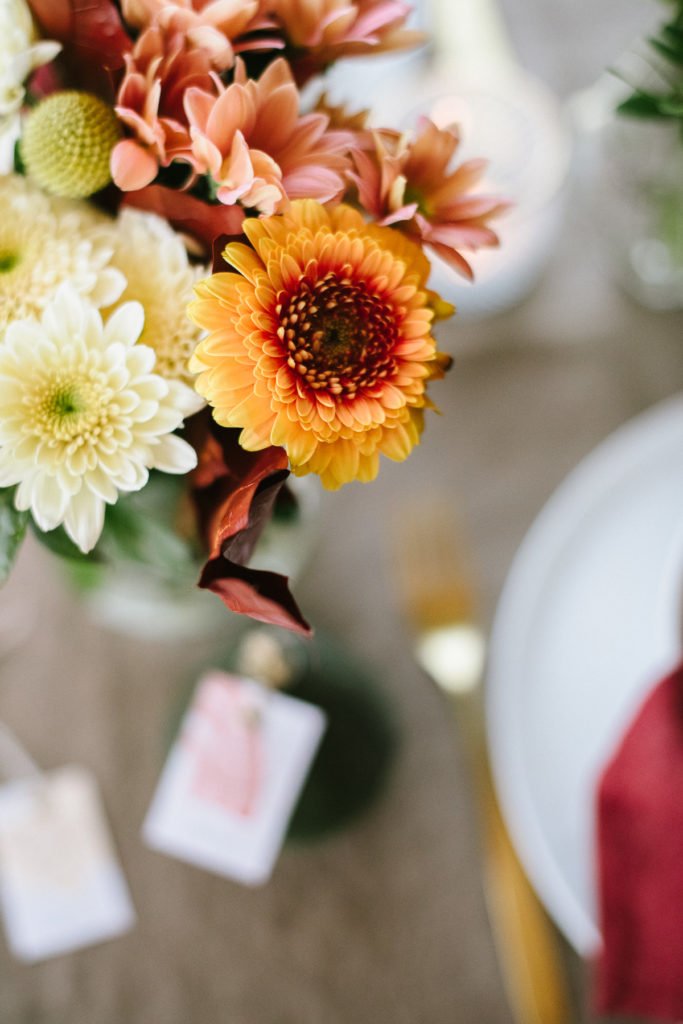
[204, 278]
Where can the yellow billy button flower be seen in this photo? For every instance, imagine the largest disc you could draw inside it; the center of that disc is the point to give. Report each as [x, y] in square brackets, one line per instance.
[67, 143]
[321, 343]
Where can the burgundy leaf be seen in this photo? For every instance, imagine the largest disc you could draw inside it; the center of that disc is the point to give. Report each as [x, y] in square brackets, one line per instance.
[45, 80]
[264, 596]
[93, 37]
[186, 213]
[98, 34]
[243, 507]
[234, 493]
[219, 266]
[53, 16]
[227, 479]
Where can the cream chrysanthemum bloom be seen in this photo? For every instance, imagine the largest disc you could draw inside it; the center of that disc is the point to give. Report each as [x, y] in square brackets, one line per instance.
[20, 53]
[46, 241]
[154, 261]
[82, 414]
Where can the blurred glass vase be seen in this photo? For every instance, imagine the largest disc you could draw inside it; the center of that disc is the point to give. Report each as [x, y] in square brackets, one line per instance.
[632, 176]
[145, 582]
[641, 167]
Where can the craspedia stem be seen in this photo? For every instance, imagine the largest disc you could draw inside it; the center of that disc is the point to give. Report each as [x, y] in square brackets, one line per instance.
[67, 143]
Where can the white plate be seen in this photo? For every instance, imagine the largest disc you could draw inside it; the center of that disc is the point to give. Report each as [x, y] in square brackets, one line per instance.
[588, 620]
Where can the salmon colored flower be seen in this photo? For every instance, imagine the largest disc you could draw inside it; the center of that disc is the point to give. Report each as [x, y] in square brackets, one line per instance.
[341, 117]
[217, 26]
[409, 183]
[256, 147]
[355, 122]
[161, 67]
[326, 30]
[321, 343]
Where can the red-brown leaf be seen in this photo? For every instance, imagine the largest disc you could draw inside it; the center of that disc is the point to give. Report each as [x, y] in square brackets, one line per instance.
[93, 37]
[234, 493]
[218, 264]
[264, 596]
[244, 504]
[98, 35]
[204, 221]
[53, 16]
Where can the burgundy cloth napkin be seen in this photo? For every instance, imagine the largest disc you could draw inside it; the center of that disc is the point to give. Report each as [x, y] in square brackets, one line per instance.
[640, 862]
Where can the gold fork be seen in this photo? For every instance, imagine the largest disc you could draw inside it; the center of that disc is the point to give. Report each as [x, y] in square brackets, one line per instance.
[438, 595]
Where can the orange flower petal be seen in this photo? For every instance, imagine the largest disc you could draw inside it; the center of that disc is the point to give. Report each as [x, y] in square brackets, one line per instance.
[321, 342]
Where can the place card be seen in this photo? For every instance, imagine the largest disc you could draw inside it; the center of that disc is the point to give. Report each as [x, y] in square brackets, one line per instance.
[61, 887]
[232, 780]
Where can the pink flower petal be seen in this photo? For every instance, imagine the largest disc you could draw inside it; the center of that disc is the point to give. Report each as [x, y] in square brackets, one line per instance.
[232, 111]
[453, 259]
[404, 213]
[198, 105]
[132, 167]
[313, 182]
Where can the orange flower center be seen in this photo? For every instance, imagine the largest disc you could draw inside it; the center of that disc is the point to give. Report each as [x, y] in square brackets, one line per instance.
[339, 336]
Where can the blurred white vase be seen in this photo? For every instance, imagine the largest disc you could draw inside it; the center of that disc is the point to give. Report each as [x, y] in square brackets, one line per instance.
[140, 600]
[631, 173]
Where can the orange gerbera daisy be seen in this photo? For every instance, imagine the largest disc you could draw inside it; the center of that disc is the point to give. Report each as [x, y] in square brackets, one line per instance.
[321, 343]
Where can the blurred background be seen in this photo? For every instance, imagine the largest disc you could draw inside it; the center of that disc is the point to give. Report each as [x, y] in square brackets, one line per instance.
[562, 341]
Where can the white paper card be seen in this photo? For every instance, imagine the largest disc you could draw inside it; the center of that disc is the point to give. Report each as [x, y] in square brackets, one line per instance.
[61, 887]
[233, 777]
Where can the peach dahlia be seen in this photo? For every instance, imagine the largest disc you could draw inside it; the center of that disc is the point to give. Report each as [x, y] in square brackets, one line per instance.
[325, 30]
[410, 183]
[321, 342]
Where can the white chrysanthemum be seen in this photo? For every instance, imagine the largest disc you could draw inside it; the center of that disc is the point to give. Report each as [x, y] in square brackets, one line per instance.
[45, 241]
[160, 276]
[20, 54]
[82, 414]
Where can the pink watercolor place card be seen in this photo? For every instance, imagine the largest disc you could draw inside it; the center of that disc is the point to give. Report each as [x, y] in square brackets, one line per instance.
[233, 778]
[61, 886]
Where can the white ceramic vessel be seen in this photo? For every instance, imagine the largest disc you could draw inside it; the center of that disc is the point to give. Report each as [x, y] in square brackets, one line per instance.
[589, 620]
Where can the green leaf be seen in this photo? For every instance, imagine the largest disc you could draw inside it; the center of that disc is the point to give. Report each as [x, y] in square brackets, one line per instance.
[18, 161]
[642, 104]
[141, 535]
[85, 575]
[672, 107]
[674, 36]
[60, 544]
[12, 531]
[669, 53]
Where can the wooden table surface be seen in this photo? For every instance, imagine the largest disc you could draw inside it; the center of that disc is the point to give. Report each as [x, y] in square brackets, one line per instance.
[386, 922]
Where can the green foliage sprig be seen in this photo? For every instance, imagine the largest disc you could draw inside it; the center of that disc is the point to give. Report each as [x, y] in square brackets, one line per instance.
[12, 531]
[664, 100]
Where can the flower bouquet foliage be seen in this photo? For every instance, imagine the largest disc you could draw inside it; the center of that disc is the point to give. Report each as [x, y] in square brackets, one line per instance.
[643, 155]
[201, 277]
[660, 93]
